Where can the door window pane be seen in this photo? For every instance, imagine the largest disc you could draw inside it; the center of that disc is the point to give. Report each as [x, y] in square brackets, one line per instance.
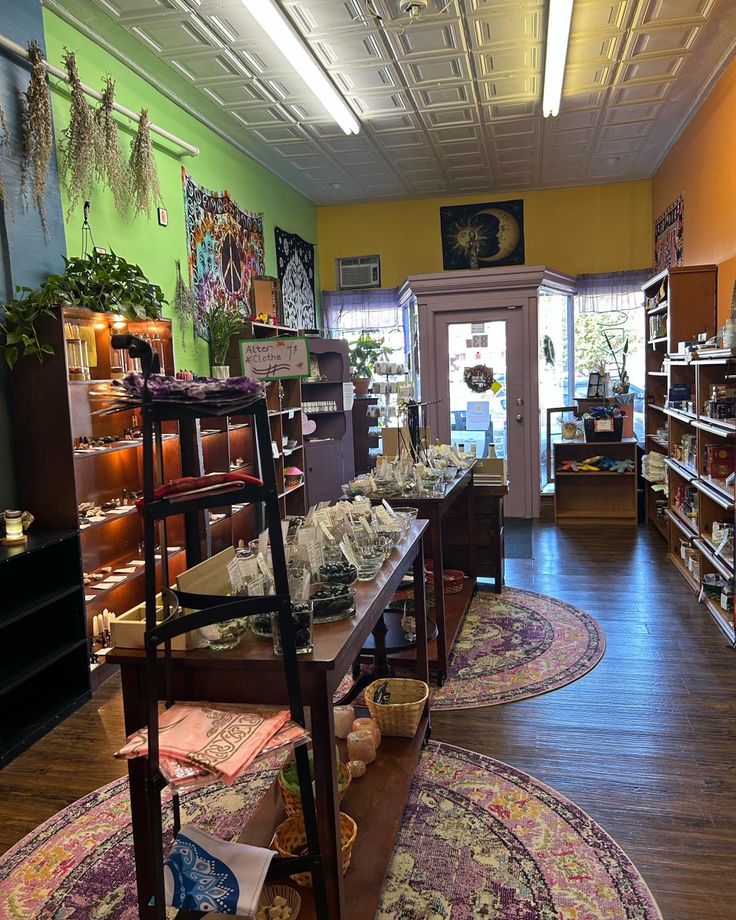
[478, 418]
[554, 377]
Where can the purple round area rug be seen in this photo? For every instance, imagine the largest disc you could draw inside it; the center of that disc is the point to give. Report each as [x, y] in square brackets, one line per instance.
[479, 840]
[515, 645]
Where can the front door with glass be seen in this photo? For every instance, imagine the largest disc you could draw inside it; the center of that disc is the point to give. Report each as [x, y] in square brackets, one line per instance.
[480, 364]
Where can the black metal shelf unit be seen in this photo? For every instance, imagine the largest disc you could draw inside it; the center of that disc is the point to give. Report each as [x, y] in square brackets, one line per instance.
[44, 655]
[211, 609]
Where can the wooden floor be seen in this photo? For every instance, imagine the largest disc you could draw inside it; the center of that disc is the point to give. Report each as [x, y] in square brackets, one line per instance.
[645, 743]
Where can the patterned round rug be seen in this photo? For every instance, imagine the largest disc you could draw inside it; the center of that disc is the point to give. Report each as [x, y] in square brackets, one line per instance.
[479, 839]
[515, 645]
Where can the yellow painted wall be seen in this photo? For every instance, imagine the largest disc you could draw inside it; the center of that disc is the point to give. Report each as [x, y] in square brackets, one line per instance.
[595, 228]
[701, 165]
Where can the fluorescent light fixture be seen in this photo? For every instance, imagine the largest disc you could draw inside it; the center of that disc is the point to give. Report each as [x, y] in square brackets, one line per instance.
[558, 36]
[280, 31]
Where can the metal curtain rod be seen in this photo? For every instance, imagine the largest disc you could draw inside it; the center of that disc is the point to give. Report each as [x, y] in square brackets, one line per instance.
[21, 52]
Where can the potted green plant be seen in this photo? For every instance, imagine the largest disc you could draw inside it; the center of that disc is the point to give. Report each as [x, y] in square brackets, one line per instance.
[18, 334]
[222, 323]
[365, 352]
[104, 283]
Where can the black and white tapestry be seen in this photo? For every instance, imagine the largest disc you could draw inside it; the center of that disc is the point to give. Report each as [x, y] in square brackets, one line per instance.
[295, 260]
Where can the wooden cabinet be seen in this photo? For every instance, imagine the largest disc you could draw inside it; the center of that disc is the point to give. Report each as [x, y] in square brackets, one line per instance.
[366, 433]
[680, 303]
[587, 497]
[44, 656]
[327, 401]
[324, 471]
[69, 454]
[699, 458]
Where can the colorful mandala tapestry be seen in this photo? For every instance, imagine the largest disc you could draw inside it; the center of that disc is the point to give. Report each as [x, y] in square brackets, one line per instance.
[225, 248]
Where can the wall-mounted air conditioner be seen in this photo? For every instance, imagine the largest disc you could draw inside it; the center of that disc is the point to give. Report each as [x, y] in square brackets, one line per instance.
[358, 272]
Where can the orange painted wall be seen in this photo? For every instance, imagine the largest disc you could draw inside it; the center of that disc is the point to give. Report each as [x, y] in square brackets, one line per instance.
[702, 165]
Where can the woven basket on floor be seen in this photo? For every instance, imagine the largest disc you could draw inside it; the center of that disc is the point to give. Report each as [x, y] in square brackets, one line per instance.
[290, 839]
[290, 895]
[400, 716]
[293, 800]
[452, 579]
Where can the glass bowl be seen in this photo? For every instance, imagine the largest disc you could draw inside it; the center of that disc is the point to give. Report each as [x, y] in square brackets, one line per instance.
[226, 635]
[301, 617]
[342, 572]
[332, 602]
[369, 567]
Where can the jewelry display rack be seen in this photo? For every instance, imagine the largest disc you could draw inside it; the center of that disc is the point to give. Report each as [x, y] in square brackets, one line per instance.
[207, 610]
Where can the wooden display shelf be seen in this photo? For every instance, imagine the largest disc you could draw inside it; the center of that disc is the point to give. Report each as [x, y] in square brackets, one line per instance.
[580, 500]
[376, 803]
[723, 618]
[685, 572]
[685, 472]
[598, 473]
[685, 525]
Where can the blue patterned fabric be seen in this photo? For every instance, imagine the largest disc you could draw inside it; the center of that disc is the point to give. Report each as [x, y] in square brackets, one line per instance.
[206, 874]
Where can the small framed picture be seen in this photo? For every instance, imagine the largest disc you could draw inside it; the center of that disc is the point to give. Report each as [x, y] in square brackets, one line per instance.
[596, 386]
[163, 217]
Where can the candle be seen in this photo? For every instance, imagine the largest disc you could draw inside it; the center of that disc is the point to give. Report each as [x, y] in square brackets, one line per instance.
[369, 725]
[361, 746]
[344, 718]
[13, 525]
[95, 626]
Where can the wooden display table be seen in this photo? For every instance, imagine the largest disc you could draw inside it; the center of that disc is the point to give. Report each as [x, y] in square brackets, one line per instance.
[251, 673]
[587, 497]
[449, 609]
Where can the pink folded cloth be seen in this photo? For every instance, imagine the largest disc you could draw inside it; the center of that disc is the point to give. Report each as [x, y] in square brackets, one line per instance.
[223, 742]
[186, 777]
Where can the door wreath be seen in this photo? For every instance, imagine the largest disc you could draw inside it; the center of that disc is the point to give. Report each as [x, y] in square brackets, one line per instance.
[479, 378]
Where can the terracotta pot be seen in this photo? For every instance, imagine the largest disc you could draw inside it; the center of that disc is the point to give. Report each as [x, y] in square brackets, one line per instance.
[361, 385]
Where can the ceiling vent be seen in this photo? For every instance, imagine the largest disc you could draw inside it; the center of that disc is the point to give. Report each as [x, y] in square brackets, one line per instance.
[359, 272]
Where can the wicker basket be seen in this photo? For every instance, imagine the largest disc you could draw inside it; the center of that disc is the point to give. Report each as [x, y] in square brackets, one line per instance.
[290, 895]
[400, 717]
[290, 839]
[452, 579]
[293, 800]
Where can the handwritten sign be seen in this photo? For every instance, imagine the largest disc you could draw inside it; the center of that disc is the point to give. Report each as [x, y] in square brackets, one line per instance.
[275, 359]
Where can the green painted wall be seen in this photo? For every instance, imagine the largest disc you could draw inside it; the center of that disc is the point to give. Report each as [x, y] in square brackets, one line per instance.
[219, 165]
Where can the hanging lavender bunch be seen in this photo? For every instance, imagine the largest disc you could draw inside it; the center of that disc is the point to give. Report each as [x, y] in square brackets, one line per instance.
[144, 187]
[79, 139]
[5, 143]
[185, 304]
[110, 167]
[38, 136]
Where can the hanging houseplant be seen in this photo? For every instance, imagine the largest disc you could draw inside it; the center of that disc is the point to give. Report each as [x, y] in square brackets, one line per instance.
[38, 136]
[78, 141]
[18, 335]
[110, 166]
[144, 187]
[105, 283]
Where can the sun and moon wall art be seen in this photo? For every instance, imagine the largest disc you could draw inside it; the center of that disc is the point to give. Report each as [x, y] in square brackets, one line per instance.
[482, 235]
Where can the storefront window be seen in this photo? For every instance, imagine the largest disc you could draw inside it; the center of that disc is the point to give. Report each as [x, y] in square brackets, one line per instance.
[554, 310]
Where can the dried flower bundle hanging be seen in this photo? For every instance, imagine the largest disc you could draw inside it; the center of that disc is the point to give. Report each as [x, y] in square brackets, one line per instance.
[185, 305]
[110, 166]
[78, 141]
[4, 143]
[38, 136]
[144, 187]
